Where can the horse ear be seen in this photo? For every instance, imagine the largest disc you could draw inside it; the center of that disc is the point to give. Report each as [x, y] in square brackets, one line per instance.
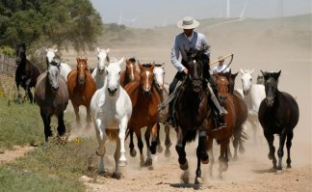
[107, 50]
[153, 65]
[163, 65]
[140, 65]
[242, 71]
[278, 74]
[263, 73]
[98, 49]
[121, 60]
[252, 71]
[55, 50]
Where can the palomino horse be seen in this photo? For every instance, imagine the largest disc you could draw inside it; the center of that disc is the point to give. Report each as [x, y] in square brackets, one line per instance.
[26, 73]
[163, 91]
[191, 106]
[130, 73]
[223, 135]
[239, 136]
[98, 74]
[145, 100]
[278, 114]
[111, 109]
[64, 67]
[81, 87]
[51, 95]
[253, 95]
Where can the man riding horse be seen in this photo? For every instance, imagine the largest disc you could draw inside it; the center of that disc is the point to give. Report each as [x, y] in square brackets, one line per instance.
[186, 41]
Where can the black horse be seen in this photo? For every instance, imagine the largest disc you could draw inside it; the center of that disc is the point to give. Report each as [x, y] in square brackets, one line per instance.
[278, 114]
[26, 73]
[191, 107]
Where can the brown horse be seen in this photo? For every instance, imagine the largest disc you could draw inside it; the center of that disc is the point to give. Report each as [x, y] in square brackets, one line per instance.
[191, 106]
[145, 99]
[51, 95]
[81, 87]
[26, 73]
[223, 135]
[239, 136]
[130, 73]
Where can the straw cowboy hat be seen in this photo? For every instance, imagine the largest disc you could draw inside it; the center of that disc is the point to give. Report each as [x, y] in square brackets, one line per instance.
[220, 58]
[188, 23]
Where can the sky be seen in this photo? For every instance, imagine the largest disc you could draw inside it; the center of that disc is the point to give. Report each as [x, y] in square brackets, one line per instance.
[152, 13]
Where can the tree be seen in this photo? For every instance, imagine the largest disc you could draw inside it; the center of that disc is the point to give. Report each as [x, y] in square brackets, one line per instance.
[49, 22]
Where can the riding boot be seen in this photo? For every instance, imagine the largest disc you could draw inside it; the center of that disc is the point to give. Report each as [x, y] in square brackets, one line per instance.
[215, 101]
[171, 117]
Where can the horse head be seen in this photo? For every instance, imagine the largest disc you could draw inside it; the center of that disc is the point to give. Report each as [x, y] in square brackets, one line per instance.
[113, 76]
[246, 80]
[53, 73]
[195, 67]
[260, 79]
[159, 76]
[130, 68]
[232, 77]
[270, 84]
[82, 68]
[103, 59]
[20, 53]
[50, 54]
[222, 81]
[147, 76]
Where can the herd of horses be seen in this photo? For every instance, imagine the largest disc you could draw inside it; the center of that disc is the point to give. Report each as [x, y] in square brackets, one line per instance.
[121, 102]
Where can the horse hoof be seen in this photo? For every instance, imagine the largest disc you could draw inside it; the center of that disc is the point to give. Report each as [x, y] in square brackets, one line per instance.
[122, 163]
[185, 177]
[103, 173]
[288, 166]
[198, 181]
[133, 153]
[184, 166]
[153, 149]
[167, 153]
[116, 175]
[148, 162]
[159, 149]
[205, 161]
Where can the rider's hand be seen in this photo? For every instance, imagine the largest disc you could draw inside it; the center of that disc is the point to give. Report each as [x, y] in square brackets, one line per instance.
[185, 71]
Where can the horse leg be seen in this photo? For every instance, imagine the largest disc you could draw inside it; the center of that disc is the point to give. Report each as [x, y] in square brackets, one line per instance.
[76, 109]
[61, 125]
[140, 145]
[290, 135]
[117, 173]
[131, 145]
[209, 147]
[88, 115]
[101, 138]
[159, 147]
[201, 156]
[122, 135]
[270, 139]
[223, 158]
[19, 94]
[235, 144]
[147, 135]
[30, 95]
[180, 148]
[167, 140]
[46, 122]
[280, 151]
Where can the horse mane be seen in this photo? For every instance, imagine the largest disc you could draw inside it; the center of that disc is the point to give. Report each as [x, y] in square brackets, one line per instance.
[148, 65]
[132, 59]
[158, 65]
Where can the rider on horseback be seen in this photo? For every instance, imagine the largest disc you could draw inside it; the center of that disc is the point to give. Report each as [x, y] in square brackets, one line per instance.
[191, 40]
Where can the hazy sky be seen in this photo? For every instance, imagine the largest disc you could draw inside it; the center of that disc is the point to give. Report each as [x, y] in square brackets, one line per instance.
[151, 13]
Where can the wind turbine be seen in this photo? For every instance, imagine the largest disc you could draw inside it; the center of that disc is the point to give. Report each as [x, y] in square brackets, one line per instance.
[241, 16]
[227, 8]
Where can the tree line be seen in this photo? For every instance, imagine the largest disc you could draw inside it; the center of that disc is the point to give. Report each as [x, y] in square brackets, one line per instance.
[49, 22]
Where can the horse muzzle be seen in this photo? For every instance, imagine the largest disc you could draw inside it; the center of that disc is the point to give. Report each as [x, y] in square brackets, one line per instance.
[101, 71]
[54, 88]
[222, 99]
[245, 92]
[269, 102]
[197, 86]
[146, 92]
[81, 80]
[111, 92]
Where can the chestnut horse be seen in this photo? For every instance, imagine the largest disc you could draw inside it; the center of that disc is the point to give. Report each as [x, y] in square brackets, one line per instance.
[223, 135]
[26, 73]
[239, 135]
[145, 99]
[130, 73]
[81, 87]
[278, 114]
[191, 106]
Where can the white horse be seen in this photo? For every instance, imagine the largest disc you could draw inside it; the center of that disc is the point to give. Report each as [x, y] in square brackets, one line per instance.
[64, 67]
[111, 109]
[163, 91]
[98, 73]
[253, 95]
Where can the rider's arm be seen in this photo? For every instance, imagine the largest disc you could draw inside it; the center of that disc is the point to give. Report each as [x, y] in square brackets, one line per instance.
[175, 51]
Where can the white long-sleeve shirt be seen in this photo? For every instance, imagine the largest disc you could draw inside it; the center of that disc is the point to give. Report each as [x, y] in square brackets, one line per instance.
[181, 43]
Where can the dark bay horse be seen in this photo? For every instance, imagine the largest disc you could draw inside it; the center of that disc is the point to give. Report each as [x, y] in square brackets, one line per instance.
[26, 73]
[192, 109]
[51, 95]
[278, 114]
[145, 99]
[239, 135]
[81, 87]
[223, 135]
[130, 73]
